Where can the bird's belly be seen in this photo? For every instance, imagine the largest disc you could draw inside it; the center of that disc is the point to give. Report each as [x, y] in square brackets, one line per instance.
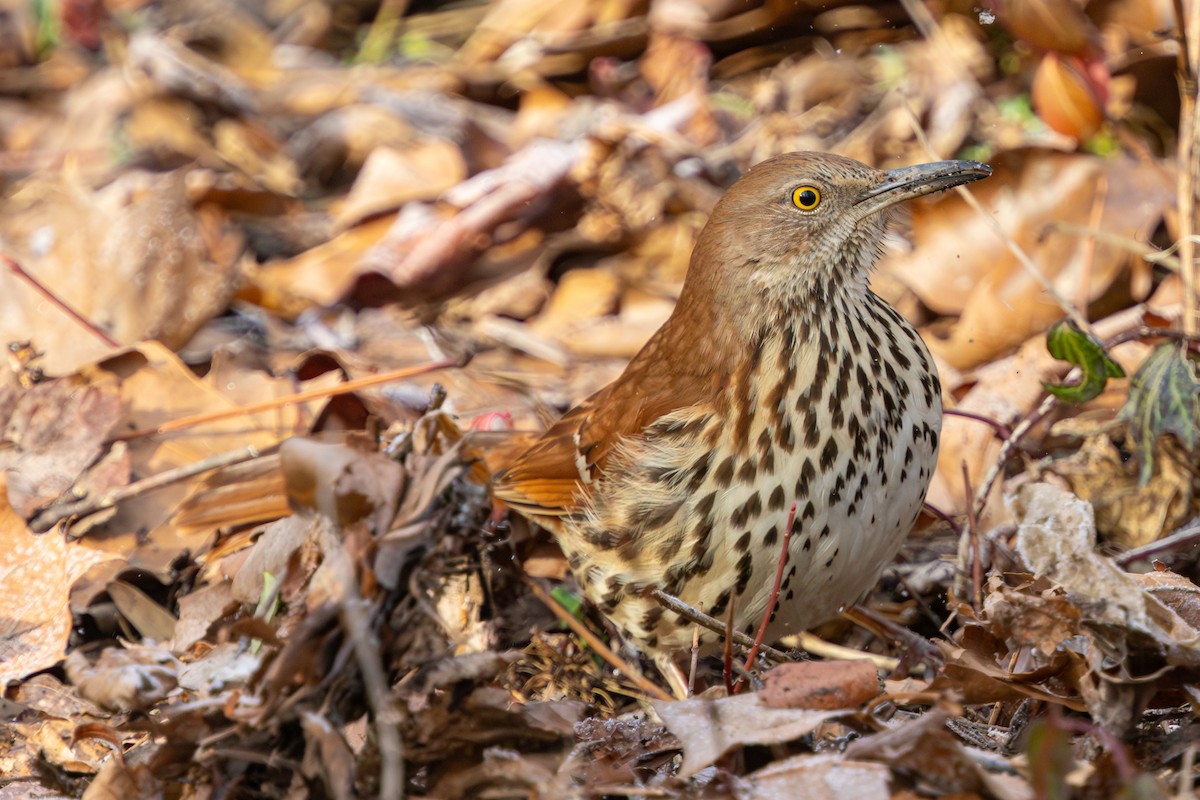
[718, 542]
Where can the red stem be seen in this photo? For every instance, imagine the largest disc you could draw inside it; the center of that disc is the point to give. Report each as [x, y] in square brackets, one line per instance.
[55, 300]
[774, 598]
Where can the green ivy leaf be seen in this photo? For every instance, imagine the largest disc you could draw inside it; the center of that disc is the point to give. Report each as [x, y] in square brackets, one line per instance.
[1067, 342]
[1164, 397]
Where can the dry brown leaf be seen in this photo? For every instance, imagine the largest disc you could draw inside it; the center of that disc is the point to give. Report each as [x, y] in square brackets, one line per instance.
[150, 619]
[1129, 514]
[925, 751]
[55, 432]
[36, 576]
[124, 679]
[318, 276]
[199, 609]
[272, 555]
[392, 177]
[710, 728]
[342, 482]
[135, 258]
[1056, 537]
[958, 265]
[823, 777]
[820, 685]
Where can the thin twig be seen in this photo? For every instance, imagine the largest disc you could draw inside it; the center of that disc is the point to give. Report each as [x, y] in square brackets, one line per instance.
[1187, 535]
[1146, 252]
[727, 640]
[1002, 430]
[973, 532]
[1017, 251]
[674, 604]
[773, 599]
[292, 399]
[387, 716]
[91, 327]
[593, 641]
[1188, 159]
[48, 517]
[1019, 430]
[943, 516]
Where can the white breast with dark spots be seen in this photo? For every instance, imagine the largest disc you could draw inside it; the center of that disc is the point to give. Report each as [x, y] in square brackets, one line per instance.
[841, 419]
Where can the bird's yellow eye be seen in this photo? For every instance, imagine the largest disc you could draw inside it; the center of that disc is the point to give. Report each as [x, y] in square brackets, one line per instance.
[806, 198]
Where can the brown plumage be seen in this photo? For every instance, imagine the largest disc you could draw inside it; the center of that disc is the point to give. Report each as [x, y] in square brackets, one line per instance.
[780, 378]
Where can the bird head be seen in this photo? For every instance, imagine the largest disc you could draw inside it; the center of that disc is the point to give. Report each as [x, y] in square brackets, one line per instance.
[800, 224]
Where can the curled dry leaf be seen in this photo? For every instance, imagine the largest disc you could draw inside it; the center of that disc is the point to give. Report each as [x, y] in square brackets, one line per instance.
[124, 679]
[430, 261]
[1130, 513]
[392, 177]
[1056, 538]
[1064, 97]
[925, 751]
[341, 482]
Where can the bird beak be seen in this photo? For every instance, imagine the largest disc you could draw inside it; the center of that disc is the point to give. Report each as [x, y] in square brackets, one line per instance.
[909, 182]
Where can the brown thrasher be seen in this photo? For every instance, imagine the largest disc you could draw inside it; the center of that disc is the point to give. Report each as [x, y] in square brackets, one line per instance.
[780, 378]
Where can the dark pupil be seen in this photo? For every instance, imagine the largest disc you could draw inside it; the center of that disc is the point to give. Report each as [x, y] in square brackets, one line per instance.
[808, 197]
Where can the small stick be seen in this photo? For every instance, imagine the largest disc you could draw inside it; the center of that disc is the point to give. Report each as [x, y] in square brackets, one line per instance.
[50, 516]
[672, 603]
[695, 659]
[1002, 430]
[973, 532]
[56, 301]
[727, 672]
[593, 641]
[1186, 535]
[773, 599]
[301, 397]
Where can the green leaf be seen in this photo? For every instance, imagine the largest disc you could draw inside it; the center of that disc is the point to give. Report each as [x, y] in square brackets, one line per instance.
[1067, 342]
[568, 600]
[1164, 397]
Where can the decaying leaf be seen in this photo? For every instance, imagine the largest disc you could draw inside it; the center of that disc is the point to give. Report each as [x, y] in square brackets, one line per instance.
[710, 728]
[1164, 398]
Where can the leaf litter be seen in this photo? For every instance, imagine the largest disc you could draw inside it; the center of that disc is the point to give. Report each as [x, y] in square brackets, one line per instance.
[235, 563]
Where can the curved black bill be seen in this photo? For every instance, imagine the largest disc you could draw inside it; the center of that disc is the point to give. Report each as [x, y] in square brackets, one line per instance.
[906, 183]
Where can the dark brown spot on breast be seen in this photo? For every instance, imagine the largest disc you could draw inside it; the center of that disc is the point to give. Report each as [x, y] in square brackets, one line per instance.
[829, 453]
[748, 472]
[771, 536]
[724, 474]
[777, 499]
[747, 512]
[785, 437]
[764, 442]
[812, 433]
[808, 474]
[745, 568]
[722, 603]
[651, 617]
